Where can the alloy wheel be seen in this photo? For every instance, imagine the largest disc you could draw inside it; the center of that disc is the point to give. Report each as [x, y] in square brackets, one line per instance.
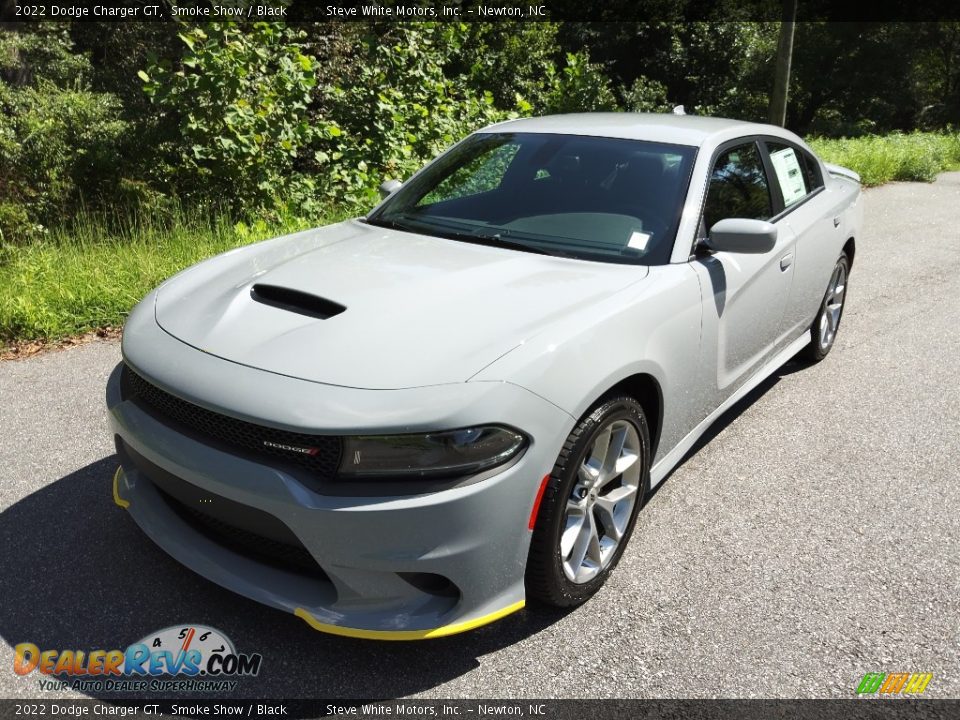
[600, 505]
[833, 306]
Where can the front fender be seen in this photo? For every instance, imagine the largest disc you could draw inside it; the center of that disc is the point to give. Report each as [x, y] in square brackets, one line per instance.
[650, 328]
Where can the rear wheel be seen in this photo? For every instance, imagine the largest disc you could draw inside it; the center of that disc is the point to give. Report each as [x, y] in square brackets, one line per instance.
[590, 505]
[827, 323]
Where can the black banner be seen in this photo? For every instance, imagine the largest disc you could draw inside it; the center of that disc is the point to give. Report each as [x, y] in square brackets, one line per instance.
[863, 709]
[30, 11]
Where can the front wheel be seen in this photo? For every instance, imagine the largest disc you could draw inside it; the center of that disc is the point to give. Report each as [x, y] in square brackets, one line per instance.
[827, 323]
[590, 504]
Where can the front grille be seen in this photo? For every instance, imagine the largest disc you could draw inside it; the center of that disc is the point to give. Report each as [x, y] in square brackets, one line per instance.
[250, 544]
[231, 431]
[244, 529]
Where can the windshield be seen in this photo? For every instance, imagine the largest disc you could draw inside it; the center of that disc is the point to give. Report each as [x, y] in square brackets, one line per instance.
[592, 198]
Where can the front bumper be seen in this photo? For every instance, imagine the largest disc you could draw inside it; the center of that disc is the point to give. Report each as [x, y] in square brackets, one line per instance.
[399, 567]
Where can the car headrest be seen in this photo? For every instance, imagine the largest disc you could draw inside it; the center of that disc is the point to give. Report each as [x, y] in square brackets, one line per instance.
[641, 168]
[563, 167]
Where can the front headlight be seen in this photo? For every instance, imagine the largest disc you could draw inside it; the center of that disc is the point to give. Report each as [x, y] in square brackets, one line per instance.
[450, 453]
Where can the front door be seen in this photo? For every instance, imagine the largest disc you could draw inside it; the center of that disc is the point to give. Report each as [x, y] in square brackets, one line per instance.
[744, 294]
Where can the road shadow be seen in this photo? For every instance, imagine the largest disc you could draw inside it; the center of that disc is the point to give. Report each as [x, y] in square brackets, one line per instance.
[77, 573]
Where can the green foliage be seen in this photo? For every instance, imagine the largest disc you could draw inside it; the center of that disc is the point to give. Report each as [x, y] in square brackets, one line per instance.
[117, 50]
[90, 277]
[646, 95]
[709, 67]
[59, 142]
[273, 123]
[725, 68]
[581, 86]
[862, 78]
[936, 74]
[46, 54]
[512, 60]
[880, 159]
[399, 110]
[240, 97]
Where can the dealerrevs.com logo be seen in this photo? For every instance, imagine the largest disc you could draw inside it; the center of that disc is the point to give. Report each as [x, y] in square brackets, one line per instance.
[178, 658]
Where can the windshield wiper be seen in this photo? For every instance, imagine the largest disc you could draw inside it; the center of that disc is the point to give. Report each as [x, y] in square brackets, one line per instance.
[445, 230]
[496, 240]
[392, 224]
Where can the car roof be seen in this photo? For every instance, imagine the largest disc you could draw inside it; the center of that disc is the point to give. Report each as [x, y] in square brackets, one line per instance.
[654, 127]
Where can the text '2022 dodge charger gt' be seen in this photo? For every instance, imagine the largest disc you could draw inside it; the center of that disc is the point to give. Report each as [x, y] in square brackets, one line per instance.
[401, 426]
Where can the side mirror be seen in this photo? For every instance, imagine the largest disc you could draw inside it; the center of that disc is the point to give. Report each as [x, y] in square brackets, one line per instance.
[740, 235]
[388, 187]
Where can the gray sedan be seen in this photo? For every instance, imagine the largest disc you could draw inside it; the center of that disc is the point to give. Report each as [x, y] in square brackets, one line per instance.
[403, 426]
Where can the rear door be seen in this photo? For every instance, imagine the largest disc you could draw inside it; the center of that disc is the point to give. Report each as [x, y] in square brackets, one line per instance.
[805, 207]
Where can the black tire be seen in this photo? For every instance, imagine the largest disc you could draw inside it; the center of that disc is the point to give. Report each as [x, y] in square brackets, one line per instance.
[818, 349]
[546, 579]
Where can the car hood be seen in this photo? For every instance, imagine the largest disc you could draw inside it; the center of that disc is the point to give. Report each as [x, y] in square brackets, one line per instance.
[417, 310]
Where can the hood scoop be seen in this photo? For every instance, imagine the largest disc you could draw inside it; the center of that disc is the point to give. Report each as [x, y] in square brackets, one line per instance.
[296, 301]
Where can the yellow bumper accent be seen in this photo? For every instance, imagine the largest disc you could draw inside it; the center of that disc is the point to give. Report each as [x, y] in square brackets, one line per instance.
[407, 634]
[116, 490]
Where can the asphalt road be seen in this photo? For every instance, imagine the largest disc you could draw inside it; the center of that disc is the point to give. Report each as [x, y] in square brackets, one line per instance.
[814, 537]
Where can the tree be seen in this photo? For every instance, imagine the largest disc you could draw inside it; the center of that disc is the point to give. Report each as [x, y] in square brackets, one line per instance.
[853, 78]
[398, 109]
[240, 98]
[61, 143]
[712, 68]
[781, 86]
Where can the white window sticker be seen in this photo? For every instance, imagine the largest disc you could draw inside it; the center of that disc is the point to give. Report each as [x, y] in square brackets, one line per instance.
[638, 240]
[788, 171]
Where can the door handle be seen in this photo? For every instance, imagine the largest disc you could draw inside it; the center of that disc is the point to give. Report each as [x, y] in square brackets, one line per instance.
[786, 261]
[836, 222]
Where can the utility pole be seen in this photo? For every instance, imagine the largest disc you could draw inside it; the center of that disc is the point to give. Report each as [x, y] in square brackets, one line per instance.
[781, 81]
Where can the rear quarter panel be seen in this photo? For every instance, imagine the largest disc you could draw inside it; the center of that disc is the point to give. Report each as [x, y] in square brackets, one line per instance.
[820, 243]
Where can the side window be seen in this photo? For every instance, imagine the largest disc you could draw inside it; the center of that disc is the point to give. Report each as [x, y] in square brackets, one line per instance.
[738, 187]
[797, 173]
[482, 174]
[812, 169]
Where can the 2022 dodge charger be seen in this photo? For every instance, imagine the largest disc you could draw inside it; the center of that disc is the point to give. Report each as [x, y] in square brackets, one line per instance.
[403, 425]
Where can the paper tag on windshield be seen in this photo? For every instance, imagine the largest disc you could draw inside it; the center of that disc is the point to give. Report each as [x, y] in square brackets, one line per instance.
[638, 240]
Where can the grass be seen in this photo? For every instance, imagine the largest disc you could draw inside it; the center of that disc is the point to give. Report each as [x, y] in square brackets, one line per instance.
[882, 158]
[86, 278]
